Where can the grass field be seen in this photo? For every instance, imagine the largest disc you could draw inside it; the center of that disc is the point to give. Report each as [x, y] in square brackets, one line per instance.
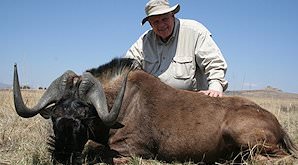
[23, 141]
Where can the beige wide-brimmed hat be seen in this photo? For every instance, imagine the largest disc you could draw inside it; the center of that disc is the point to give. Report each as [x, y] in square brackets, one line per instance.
[158, 7]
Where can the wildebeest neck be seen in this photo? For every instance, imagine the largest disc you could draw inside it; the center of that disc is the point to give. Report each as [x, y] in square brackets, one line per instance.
[117, 67]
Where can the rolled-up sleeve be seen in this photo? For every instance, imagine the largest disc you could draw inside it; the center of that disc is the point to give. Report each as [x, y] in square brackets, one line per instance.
[211, 62]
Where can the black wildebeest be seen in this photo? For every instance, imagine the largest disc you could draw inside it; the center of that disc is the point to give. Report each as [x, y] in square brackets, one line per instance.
[127, 111]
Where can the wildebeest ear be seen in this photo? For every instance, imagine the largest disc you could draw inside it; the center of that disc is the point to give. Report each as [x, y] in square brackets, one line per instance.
[117, 125]
[46, 113]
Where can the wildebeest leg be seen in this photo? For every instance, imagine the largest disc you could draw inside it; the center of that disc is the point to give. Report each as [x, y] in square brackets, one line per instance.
[254, 138]
[121, 160]
[259, 150]
[273, 155]
[93, 152]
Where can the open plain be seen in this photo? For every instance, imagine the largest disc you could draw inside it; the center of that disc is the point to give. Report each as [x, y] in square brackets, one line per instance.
[24, 141]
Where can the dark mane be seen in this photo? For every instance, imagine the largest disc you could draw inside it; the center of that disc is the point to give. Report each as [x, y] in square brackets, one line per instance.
[116, 67]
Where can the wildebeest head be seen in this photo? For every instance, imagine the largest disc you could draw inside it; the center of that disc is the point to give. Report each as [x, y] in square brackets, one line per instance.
[75, 104]
[73, 120]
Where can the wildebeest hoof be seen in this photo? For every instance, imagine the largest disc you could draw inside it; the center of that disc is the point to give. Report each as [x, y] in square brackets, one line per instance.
[92, 151]
[122, 160]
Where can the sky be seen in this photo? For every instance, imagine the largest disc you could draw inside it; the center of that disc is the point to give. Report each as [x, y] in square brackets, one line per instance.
[258, 38]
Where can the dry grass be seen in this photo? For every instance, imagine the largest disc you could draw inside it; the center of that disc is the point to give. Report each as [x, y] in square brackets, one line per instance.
[23, 141]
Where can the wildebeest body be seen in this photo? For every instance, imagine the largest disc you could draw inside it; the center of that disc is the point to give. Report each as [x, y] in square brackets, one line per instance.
[154, 119]
[170, 124]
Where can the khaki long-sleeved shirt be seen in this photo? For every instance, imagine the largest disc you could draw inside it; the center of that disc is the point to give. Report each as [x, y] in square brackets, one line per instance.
[189, 60]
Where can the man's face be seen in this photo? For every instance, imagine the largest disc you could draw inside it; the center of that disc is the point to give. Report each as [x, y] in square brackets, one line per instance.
[162, 25]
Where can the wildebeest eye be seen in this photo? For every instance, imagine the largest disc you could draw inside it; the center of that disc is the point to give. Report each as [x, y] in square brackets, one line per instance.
[47, 112]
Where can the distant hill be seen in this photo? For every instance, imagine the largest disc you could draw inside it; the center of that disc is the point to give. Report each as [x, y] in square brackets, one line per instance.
[4, 86]
[268, 92]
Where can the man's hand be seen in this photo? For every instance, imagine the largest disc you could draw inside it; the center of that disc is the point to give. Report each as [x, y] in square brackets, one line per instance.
[212, 93]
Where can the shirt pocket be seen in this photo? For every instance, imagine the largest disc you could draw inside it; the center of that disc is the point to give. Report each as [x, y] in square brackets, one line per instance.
[183, 67]
[149, 64]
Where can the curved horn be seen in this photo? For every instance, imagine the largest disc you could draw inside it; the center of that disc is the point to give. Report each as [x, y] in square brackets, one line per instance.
[92, 89]
[53, 93]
